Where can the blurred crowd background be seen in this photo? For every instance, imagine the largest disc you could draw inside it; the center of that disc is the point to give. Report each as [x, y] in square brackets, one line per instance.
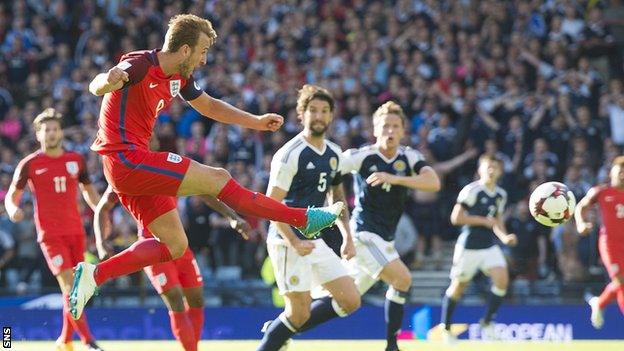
[538, 83]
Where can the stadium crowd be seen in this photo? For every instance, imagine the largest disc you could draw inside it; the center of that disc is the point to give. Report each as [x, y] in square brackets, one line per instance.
[538, 83]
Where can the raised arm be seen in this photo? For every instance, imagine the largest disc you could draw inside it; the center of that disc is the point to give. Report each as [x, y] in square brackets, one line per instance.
[112, 80]
[583, 226]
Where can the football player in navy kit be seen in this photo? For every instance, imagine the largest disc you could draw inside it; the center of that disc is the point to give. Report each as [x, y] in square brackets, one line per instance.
[307, 171]
[479, 209]
[384, 173]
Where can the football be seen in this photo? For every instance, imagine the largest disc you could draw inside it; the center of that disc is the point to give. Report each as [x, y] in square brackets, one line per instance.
[552, 204]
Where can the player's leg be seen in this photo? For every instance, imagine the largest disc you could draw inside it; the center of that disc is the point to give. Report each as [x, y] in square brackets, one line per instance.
[398, 277]
[201, 179]
[181, 324]
[64, 279]
[293, 278]
[465, 265]
[193, 288]
[164, 278]
[195, 309]
[500, 282]
[619, 281]
[495, 266]
[170, 243]
[296, 313]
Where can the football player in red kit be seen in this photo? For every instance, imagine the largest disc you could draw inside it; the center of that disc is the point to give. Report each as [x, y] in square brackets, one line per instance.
[610, 200]
[178, 282]
[135, 91]
[54, 176]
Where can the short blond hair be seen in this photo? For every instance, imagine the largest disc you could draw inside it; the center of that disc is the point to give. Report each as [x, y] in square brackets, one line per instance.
[186, 29]
[387, 108]
[49, 114]
[618, 161]
[310, 92]
[490, 158]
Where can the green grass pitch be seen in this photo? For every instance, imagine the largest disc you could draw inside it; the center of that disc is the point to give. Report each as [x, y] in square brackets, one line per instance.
[337, 345]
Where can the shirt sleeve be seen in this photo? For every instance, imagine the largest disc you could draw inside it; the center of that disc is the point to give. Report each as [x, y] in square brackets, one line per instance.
[191, 90]
[283, 170]
[83, 176]
[467, 196]
[416, 160]
[347, 164]
[20, 177]
[502, 203]
[136, 67]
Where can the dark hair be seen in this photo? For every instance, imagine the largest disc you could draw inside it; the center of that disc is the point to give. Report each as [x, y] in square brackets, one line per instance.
[310, 92]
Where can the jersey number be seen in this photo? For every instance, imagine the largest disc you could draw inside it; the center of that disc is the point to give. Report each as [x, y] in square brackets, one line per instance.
[60, 184]
[386, 187]
[619, 211]
[322, 185]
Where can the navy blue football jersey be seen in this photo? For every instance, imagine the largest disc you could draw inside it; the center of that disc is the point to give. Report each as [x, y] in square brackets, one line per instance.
[379, 208]
[306, 173]
[477, 200]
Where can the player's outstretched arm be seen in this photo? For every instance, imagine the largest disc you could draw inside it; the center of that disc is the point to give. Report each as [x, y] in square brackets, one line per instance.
[112, 80]
[223, 112]
[236, 222]
[426, 180]
[459, 216]
[580, 213]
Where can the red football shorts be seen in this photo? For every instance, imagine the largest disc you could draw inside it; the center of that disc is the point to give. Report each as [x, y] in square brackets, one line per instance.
[182, 271]
[612, 256]
[63, 252]
[146, 182]
[142, 172]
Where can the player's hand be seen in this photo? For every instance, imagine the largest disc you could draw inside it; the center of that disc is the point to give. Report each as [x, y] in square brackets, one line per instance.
[379, 178]
[303, 247]
[241, 226]
[270, 121]
[116, 75]
[104, 249]
[510, 240]
[347, 249]
[17, 216]
[584, 228]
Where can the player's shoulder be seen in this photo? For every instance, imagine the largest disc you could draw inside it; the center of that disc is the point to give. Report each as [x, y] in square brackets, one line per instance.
[411, 153]
[30, 158]
[72, 155]
[500, 191]
[290, 151]
[333, 146]
[474, 187]
[362, 151]
[149, 56]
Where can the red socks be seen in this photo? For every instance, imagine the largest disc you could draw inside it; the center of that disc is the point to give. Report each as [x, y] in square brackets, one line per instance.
[196, 315]
[608, 294]
[620, 297]
[255, 204]
[183, 330]
[141, 254]
[69, 325]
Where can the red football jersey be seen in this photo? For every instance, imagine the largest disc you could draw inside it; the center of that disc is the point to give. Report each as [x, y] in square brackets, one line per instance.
[54, 183]
[128, 115]
[611, 203]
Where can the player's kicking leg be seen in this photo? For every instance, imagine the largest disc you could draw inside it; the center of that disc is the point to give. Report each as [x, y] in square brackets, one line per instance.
[201, 179]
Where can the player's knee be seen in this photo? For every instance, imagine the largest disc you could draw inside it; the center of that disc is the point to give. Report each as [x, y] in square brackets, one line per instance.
[174, 300]
[219, 174]
[347, 304]
[403, 282]
[299, 317]
[195, 301]
[177, 248]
